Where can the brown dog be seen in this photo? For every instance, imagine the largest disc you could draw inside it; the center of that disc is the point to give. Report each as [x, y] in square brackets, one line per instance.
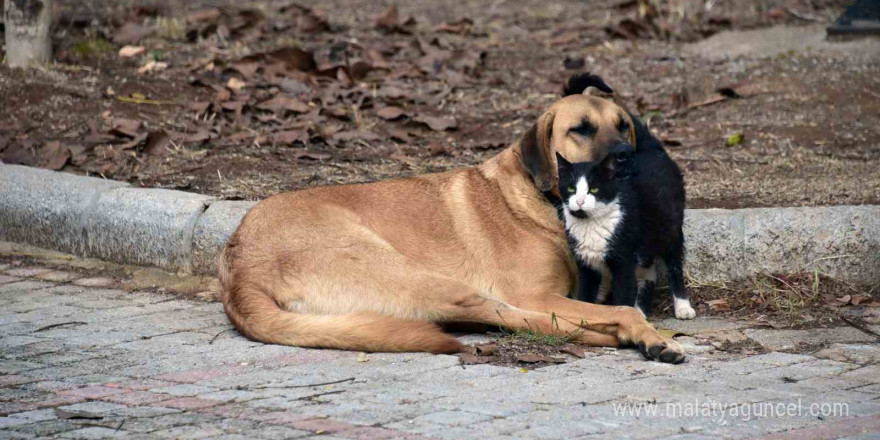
[371, 267]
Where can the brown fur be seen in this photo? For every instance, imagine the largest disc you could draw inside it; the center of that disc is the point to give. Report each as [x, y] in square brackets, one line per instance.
[372, 266]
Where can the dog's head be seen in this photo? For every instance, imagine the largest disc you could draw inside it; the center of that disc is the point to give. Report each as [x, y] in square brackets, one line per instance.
[582, 127]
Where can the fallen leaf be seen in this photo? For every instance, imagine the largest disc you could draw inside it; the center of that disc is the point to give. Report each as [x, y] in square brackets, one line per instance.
[462, 26]
[151, 66]
[386, 20]
[573, 350]
[845, 299]
[534, 358]
[289, 137]
[131, 51]
[437, 123]
[282, 104]
[362, 357]
[487, 349]
[53, 156]
[199, 136]
[859, 299]
[235, 84]
[126, 127]
[157, 143]
[718, 305]
[734, 139]
[390, 113]
[472, 359]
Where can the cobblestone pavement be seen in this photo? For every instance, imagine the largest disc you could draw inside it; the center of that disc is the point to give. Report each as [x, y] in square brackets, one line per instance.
[82, 360]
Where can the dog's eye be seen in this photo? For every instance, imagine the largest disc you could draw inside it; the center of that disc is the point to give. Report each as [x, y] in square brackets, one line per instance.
[623, 126]
[585, 129]
[571, 190]
[594, 190]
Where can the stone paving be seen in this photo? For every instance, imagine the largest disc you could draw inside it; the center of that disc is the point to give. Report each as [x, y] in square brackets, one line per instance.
[80, 360]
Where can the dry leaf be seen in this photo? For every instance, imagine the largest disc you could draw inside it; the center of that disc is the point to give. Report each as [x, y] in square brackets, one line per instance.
[486, 349]
[126, 127]
[235, 84]
[289, 137]
[462, 26]
[314, 155]
[386, 20]
[131, 51]
[472, 359]
[437, 123]
[157, 143]
[859, 299]
[845, 299]
[390, 113]
[152, 66]
[718, 305]
[282, 104]
[53, 156]
[573, 350]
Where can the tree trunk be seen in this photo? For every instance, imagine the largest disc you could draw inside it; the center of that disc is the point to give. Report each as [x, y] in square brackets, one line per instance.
[27, 25]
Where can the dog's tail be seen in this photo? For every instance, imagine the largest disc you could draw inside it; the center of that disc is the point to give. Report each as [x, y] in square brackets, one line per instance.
[257, 316]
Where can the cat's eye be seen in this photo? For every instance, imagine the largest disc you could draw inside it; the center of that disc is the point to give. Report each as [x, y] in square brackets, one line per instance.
[571, 189]
[594, 190]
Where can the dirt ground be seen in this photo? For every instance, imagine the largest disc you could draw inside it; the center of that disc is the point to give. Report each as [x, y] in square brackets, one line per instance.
[246, 99]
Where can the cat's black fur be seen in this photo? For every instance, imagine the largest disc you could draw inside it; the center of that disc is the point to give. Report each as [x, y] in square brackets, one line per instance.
[651, 196]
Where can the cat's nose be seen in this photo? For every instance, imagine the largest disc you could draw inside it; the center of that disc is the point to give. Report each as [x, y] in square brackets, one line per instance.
[580, 201]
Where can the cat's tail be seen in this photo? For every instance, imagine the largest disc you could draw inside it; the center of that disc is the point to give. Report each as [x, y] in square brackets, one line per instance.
[258, 317]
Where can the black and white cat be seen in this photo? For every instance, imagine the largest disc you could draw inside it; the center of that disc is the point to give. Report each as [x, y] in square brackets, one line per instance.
[620, 221]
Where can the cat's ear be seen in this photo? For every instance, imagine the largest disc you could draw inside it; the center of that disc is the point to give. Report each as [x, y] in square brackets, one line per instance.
[561, 162]
[535, 153]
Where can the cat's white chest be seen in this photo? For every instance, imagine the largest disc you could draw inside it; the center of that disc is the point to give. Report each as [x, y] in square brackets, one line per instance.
[593, 234]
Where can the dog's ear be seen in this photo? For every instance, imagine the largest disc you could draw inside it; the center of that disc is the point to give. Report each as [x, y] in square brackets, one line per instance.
[584, 83]
[535, 152]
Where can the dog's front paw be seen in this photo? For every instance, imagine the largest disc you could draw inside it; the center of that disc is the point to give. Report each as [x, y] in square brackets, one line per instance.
[683, 309]
[668, 351]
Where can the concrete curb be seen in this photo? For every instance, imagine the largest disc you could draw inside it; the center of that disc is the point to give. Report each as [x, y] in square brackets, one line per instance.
[185, 232]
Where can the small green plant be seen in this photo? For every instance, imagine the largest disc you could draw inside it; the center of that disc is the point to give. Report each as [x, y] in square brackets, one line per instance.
[532, 335]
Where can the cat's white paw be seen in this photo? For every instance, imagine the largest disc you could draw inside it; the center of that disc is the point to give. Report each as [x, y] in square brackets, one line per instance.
[683, 309]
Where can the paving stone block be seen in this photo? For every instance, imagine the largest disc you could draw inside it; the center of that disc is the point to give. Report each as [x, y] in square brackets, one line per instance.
[186, 390]
[94, 433]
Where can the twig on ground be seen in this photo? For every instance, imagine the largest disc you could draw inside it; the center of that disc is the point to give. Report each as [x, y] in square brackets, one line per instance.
[269, 386]
[847, 320]
[218, 335]
[49, 327]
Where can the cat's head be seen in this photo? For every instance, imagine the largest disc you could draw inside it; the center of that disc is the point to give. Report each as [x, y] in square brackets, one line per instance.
[587, 188]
